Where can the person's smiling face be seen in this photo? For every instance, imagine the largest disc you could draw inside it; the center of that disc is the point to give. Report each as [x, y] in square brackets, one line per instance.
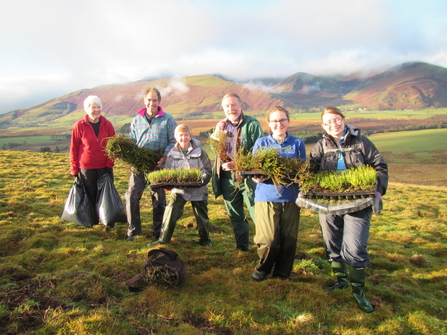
[232, 108]
[151, 102]
[333, 124]
[94, 112]
[279, 124]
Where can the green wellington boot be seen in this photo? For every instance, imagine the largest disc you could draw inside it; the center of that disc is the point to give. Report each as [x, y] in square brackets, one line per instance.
[357, 278]
[339, 269]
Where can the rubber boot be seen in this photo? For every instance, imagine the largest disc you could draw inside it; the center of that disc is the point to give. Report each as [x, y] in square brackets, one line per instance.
[339, 269]
[357, 278]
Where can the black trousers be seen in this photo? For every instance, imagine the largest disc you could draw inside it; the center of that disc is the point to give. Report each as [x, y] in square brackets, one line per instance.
[90, 178]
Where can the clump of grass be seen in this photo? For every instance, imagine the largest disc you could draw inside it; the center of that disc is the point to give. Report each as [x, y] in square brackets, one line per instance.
[219, 144]
[142, 160]
[362, 178]
[160, 275]
[268, 162]
[175, 176]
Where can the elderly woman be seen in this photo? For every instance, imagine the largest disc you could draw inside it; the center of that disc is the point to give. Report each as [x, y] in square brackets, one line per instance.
[276, 213]
[88, 140]
[346, 236]
[187, 154]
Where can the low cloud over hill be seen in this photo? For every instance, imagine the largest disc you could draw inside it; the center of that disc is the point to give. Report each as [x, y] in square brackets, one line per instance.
[407, 86]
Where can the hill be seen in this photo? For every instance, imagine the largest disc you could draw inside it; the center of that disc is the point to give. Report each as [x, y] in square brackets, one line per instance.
[406, 86]
[60, 278]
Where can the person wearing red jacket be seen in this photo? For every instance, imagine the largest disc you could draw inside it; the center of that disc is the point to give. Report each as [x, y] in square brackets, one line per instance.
[88, 141]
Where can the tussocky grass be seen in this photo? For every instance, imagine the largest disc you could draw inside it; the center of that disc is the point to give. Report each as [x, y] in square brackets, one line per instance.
[60, 278]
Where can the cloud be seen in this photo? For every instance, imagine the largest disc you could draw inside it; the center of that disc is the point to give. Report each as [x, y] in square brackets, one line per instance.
[82, 44]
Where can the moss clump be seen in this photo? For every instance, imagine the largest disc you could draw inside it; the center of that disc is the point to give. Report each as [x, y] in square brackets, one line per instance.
[175, 176]
[362, 178]
[142, 160]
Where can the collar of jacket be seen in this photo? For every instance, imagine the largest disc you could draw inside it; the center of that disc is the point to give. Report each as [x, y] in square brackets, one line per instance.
[142, 112]
[85, 119]
[349, 130]
[239, 123]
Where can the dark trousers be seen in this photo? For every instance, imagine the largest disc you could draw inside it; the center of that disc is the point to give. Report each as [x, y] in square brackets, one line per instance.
[174, 211]
[346, 237]
[234, 197]
[90, 178]
[276, 236]
[137, 184]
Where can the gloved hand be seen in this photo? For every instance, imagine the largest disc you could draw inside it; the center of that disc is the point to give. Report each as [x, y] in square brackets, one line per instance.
[377, 206]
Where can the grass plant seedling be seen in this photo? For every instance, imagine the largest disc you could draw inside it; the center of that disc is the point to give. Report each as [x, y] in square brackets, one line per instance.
[362, 178]
[142, 160]
[178, 176]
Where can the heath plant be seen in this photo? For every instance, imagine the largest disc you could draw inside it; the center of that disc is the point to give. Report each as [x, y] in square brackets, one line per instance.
[268, 162]
[142, 160]
[175, 176]
[362, 178]
[218, 142]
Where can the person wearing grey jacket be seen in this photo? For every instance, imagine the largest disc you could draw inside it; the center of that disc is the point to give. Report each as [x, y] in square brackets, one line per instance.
[187, 154]
[346, 236]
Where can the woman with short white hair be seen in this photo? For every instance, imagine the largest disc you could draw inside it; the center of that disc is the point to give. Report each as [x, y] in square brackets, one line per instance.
[88, 140]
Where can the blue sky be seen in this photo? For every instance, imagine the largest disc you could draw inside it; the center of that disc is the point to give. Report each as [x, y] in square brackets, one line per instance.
[50, 47]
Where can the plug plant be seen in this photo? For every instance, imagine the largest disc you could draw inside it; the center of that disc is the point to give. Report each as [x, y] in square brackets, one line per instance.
[362, 178]
[175, 176]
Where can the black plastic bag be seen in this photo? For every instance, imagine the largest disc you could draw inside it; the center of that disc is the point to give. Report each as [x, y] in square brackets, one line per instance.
[158, 261]
[78, 208]
[109, 205]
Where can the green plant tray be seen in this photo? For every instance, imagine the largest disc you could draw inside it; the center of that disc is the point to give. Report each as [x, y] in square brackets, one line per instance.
[175, 185]
[255, 174]
[338, 195]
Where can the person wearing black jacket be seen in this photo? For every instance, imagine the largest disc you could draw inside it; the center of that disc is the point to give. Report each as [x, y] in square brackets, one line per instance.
[346, 236]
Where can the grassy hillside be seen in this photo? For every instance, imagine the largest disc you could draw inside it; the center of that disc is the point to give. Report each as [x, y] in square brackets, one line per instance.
[60, 278]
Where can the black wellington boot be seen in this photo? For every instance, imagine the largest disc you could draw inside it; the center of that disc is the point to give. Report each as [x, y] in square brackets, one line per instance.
[357, 278]
[339, 269]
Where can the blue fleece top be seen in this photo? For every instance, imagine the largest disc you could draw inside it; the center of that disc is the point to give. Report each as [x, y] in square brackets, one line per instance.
[292, 147]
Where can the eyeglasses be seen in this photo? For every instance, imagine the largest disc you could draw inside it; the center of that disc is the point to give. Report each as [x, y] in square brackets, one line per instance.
[333, 121]
[282, 121]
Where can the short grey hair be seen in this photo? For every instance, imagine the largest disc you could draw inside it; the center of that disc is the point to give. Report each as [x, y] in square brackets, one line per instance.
[90, 100]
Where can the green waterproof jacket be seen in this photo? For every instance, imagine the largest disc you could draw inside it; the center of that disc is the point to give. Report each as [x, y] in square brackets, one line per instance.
[250, 131]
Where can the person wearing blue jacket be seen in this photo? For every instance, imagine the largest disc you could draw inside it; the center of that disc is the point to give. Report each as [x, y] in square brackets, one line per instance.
[276, 213]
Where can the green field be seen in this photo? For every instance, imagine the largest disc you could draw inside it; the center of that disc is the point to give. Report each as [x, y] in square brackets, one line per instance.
[411, 141]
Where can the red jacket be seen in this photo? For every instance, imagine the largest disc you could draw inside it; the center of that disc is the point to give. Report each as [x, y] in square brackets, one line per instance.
[87, 150]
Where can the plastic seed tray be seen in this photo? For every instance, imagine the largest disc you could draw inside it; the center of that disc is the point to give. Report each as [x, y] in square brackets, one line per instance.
[175, 185]
[339, 195]
[335, 207]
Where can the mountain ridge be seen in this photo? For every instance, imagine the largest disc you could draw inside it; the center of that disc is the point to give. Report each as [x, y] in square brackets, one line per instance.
[412, 85]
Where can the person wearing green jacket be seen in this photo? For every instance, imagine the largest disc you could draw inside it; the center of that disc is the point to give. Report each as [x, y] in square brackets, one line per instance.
[241, 132]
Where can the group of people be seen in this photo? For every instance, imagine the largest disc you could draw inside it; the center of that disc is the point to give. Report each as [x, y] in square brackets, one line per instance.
[272, 208]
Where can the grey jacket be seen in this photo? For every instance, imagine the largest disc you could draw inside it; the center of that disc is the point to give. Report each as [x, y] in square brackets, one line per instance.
[356, 150]
[195, 157]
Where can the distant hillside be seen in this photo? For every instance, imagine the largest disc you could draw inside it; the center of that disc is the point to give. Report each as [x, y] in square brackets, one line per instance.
[407, 86]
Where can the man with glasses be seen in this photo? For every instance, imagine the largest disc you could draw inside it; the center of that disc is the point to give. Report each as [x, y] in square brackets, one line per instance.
[242, 131]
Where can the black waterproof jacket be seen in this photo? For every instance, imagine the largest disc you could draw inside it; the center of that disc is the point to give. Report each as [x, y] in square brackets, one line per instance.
[356, 149]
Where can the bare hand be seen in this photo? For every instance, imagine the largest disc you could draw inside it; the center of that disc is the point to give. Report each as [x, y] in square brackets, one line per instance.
[161, 161]
[221, 125]
[258, 180]
[228, 166]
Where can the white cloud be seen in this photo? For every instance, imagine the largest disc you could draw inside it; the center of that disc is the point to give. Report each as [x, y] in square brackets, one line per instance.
[74, 44]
